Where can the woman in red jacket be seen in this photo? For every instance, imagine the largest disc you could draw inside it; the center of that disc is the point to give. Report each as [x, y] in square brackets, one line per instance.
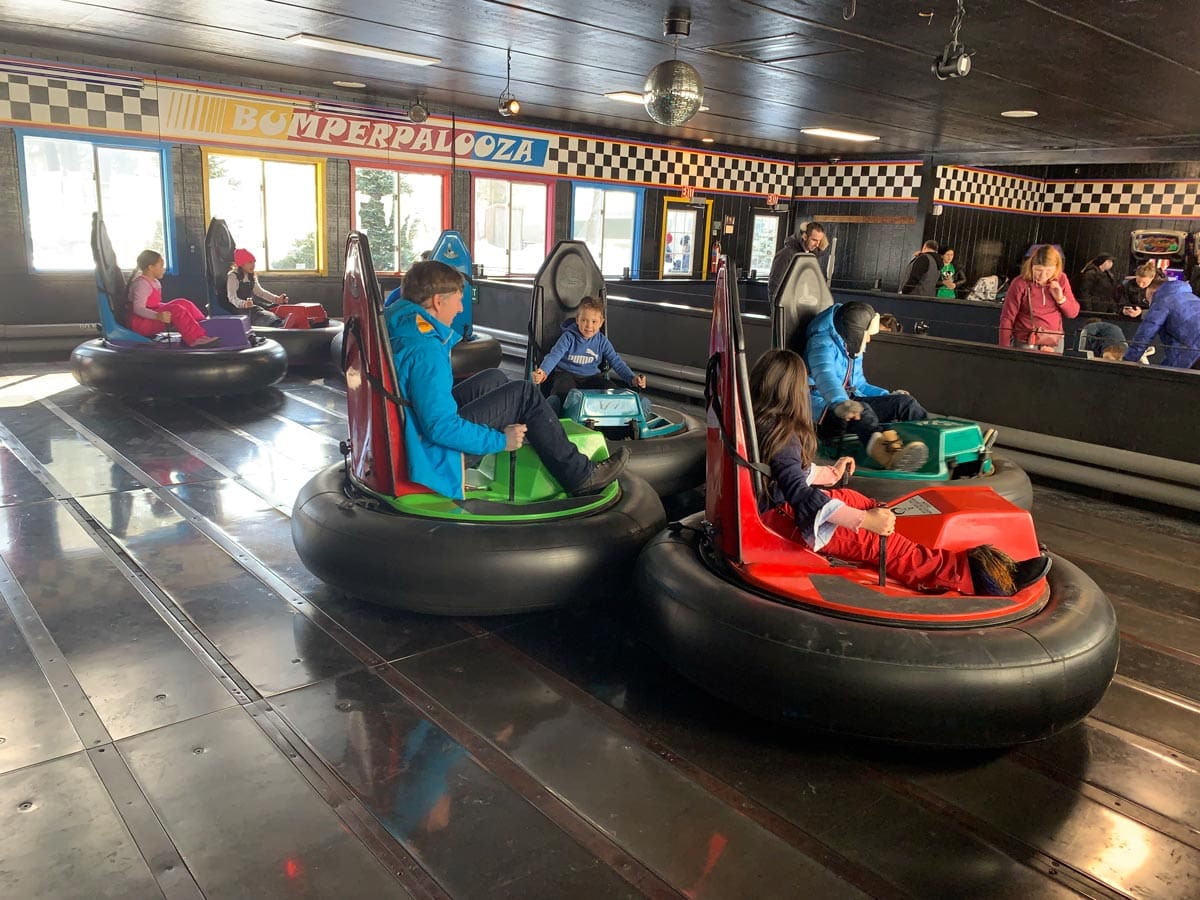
[1036, 304]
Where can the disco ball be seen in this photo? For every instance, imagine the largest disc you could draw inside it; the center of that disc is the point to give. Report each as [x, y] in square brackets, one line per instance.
[673, 92]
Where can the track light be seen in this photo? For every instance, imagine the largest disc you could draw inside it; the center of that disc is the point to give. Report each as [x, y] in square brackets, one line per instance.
[955, 61]
[417, 112]
[506, 104]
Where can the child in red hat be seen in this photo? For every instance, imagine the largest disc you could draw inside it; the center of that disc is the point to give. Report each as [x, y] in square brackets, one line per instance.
[242, 286]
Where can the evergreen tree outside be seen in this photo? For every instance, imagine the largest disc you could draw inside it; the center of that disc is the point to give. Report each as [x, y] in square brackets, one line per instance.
[377, 219]
[392, 231]
[303, 255]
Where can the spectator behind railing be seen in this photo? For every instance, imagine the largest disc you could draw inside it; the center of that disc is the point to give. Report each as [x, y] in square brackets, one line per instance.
[1036, 302]
[1174, 318]
[923, 272]
[951, 278]
[1132, 296]
[1096, 285]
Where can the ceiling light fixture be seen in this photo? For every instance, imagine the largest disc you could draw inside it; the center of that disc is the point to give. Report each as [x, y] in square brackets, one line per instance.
[627, 97]
[417, 112]
[350, 84]
[639, 99]
[674, 90]
[506, 104]
[839, 135]
[955, 61]
[1019, 113]
[324, 43]
[707, 140]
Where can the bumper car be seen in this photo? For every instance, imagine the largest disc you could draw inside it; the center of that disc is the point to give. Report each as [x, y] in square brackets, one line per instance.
[666, 445]
[516, 542]
[738, 604]
[125, 363]
[959, 453]
[475, 352]
[303, 329]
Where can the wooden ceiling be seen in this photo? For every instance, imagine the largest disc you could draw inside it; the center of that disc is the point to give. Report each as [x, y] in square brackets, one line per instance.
[1109, 78]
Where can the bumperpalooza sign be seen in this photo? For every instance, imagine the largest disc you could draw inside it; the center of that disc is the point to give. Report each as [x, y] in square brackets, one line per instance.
[188, 115]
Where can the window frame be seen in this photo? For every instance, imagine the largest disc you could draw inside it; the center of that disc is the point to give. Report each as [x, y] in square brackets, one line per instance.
[547, 183]
[781, 234]
[319, 163]
[122, 143]
[639, 213]
[700, 203]
[446, 175]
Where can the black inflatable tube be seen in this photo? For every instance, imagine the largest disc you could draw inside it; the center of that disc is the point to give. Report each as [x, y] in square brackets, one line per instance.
[1008, 480]
[153, 372]
[973, 687]
[467, 357]
[469, 569]
[476, 355]
[671, 464]
[304, 346]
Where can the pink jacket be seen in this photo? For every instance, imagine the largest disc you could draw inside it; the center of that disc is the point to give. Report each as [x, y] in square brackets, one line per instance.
[1029, 306]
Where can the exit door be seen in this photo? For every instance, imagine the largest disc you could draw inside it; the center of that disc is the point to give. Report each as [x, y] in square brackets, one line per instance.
[685, 238]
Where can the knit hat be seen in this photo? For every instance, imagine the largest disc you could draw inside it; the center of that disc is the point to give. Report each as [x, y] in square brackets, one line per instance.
[242, 257]
[854, 321]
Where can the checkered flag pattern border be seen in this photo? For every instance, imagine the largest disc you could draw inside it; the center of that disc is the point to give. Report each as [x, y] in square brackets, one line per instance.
[1136, 199]
[47, 100]
[43, 96]
[867, 181]
[642, 164]
[960, 186]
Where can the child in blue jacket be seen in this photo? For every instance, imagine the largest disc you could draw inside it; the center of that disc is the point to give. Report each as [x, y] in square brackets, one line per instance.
[574, 360]
[842, 398]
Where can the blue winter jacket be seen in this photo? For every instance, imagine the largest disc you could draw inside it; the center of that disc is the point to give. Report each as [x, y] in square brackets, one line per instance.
[833, 376]
[579, 356]
[1174, 317]
[435, 435]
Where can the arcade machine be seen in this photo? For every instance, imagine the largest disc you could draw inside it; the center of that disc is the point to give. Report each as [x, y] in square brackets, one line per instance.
[1168, 249]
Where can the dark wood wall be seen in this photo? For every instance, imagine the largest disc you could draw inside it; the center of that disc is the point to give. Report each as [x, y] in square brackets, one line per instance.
[872, 247]
[989, 242]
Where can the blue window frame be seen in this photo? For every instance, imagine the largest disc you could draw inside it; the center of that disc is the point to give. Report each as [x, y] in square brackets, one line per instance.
[608, 218]
[65, 177]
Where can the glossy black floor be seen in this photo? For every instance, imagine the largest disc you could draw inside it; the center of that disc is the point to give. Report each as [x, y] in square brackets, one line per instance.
[185, 712]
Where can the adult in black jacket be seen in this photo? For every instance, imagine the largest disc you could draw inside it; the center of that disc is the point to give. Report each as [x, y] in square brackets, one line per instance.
[809, 238]
[1096, 285]
[924, 272]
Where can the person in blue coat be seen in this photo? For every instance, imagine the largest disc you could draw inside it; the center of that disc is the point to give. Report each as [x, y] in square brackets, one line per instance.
[1174, 318]
[448, 426]
[843, 399]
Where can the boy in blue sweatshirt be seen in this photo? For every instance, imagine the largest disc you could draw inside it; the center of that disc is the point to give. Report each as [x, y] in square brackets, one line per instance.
[574, 360]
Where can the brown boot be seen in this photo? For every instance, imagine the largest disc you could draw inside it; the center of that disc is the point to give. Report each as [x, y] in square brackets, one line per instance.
[890, 452]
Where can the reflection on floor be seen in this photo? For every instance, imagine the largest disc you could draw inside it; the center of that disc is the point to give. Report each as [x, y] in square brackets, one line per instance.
[185, 712]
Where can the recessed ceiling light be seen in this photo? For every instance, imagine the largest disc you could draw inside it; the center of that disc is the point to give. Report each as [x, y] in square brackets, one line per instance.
[353, 84]
[839, 135]
[707, 140]
[1019, 113]
[324, 43]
